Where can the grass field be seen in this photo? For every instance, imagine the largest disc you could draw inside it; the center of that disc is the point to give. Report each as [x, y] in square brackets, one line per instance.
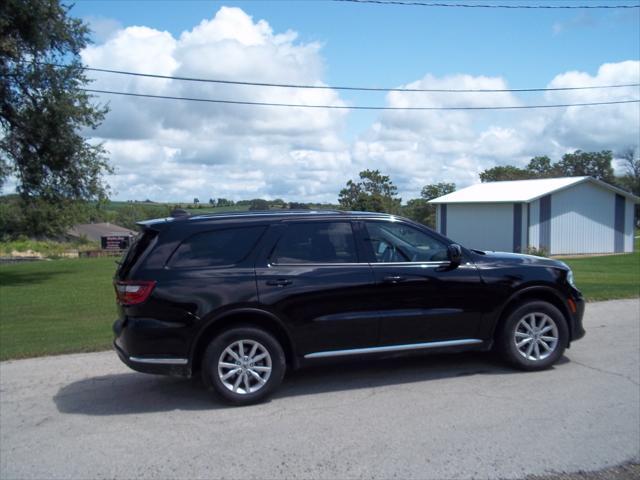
[63, 306]
[607, 277]
[57, 306]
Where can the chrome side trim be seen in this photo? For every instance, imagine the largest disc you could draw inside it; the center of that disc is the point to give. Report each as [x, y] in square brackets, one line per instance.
[394, 348]
[160, 361]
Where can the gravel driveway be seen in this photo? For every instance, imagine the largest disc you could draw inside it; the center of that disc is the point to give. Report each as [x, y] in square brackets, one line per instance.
[455, 416]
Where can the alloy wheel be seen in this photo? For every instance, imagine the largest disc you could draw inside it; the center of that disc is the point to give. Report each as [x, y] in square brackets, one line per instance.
[536, 336]
[244, 366]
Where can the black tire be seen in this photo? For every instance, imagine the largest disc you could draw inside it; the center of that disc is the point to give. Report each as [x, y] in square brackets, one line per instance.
[219, 344]
[506, 337]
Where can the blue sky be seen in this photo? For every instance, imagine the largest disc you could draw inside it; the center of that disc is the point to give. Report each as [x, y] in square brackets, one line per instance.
[387, 45]
[379, 45]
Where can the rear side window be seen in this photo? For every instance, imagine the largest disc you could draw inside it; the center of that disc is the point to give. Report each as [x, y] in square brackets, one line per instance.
[135, 251]
[317, 242]
[216, 248]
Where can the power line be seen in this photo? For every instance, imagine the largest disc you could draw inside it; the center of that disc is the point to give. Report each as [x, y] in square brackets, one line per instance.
[363, 89]
[484, 5]
[347, 107]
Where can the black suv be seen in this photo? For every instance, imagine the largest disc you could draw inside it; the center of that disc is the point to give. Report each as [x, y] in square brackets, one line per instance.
[242, 297]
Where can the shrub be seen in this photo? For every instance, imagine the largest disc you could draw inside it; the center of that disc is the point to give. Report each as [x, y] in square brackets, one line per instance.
[537, 251]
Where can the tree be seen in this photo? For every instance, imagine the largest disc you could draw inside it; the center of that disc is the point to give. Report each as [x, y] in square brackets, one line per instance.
[223, 202]
[541, 167]
[630, 157]
[419, 210]
[631, 179]
[504, 172]
[576, 164]
[196, 201]
[595, 164]
[277, 203]
[43, 109]
[298, 206]
[435, 190]
[258, 204]
[373, 193]
[212, 202]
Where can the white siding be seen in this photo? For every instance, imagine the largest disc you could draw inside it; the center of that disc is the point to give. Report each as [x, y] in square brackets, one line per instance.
[523, 238]
[534, 228]
[629, 231]
[582, 220]
[483, 226]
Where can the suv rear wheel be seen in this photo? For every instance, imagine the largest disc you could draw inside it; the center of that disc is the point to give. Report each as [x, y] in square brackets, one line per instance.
[243, 365]
[534, 336]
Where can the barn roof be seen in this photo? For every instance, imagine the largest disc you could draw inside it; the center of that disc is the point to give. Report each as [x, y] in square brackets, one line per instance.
[520, 190]
[93, 231]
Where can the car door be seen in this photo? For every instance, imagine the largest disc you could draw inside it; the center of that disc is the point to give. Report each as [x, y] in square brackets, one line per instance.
[421, 296]
[311, 278]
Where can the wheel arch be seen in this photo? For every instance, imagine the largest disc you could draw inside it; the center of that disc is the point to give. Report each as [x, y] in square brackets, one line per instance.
[534, 293]
[247, 317]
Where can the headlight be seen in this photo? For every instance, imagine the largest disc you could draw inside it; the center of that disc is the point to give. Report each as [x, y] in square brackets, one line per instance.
[569, 274]
[570, 278]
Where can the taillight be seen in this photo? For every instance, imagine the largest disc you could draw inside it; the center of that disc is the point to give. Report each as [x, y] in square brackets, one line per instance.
[133, 292]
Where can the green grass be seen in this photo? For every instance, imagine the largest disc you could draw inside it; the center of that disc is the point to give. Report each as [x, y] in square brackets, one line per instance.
[607, 277]
[58, 306]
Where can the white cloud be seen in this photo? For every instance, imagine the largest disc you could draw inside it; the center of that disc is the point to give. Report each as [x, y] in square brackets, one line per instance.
[207, 150]
[426, 147]
[167, 150]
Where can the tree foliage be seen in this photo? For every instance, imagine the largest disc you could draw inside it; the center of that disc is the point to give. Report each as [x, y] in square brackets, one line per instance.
[594, 164]
[504, 172]
[223, 202]
[258, 204]
[419, 210]
[630, 180]
[44, 111]
[576, 164]
[373, 193]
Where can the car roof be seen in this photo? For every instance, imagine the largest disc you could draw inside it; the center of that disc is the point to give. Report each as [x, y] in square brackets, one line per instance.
[257, 215]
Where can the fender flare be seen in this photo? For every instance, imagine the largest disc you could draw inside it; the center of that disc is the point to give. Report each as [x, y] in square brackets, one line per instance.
[532, 289]
[215, 319]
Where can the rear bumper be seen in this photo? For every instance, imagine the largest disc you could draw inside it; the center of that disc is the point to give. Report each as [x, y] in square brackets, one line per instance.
[158, 364]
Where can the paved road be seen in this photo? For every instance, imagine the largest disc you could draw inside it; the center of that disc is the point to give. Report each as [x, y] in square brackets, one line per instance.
[87, 416]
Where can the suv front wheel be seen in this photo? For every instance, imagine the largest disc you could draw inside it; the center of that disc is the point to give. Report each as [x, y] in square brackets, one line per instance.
[533, 336]
[243, 365]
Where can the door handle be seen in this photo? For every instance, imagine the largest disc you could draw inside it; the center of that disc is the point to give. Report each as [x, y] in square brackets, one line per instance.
[393, 279]
[280, 282]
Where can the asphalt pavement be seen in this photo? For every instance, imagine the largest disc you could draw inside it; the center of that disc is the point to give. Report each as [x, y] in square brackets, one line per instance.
[445, 416]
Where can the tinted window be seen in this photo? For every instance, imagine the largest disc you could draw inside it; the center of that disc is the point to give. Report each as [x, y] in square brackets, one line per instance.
[397, 242]
[215, 248]
[316, 243]
[140, 244]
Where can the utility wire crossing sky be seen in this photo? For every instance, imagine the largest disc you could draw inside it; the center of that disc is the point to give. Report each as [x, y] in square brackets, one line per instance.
[355, 107]
[484, 5]
[364, 89]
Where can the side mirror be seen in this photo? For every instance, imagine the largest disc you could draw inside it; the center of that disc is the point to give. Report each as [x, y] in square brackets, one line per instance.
[455, 254]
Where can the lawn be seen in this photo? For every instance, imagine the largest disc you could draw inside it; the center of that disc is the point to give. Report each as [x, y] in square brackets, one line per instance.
[607, 277]
[57, 306]
[64, 306]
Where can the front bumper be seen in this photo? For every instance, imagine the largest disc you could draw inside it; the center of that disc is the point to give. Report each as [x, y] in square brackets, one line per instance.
[577, 328]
